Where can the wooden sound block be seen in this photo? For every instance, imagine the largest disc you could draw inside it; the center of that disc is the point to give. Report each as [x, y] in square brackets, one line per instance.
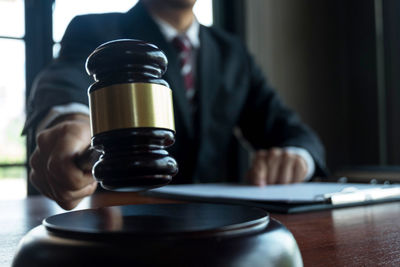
[191, 234]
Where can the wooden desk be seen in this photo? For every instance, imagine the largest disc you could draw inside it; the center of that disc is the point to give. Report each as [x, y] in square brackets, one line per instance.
[359, 236]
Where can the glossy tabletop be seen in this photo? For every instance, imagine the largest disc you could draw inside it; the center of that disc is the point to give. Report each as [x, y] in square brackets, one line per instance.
[357, 236]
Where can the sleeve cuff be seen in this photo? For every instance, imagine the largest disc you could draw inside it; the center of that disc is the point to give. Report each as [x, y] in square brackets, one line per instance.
[57, 111]
[306, 156]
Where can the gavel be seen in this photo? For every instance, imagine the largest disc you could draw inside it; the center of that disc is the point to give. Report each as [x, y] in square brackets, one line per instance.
[132, 118]
[132, 125]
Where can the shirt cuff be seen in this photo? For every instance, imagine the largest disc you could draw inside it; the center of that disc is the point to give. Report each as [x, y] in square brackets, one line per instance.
[57, 111]
[306, 156]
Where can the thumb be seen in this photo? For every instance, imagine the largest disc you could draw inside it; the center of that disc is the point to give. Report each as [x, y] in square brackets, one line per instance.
[257, 175]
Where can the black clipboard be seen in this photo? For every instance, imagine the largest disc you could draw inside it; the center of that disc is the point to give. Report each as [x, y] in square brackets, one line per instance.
[358, 195]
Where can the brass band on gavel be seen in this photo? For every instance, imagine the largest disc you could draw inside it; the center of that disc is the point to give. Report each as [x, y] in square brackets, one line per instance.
[131, 105]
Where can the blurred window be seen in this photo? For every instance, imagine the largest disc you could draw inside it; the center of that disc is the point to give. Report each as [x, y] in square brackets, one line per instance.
[12, 18]
[66, 10]
[12, 100]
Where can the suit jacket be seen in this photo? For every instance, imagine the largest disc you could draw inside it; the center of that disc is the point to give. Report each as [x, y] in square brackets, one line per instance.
[232, 92]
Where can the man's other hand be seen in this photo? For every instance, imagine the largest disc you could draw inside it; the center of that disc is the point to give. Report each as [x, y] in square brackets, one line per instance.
[54, 172]
[276, 166]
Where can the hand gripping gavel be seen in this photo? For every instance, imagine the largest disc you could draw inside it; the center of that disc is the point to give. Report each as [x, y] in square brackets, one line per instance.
[131, 114]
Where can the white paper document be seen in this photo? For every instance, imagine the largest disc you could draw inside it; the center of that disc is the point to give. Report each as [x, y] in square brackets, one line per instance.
[293, 193]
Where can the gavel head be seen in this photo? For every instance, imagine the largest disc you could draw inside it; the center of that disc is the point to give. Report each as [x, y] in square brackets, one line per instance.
[131, 116]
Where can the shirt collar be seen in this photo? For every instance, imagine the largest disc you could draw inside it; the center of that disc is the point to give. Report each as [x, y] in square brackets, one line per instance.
[170, 32]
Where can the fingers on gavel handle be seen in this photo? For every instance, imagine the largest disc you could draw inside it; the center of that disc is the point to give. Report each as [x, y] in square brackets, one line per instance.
[87, 159]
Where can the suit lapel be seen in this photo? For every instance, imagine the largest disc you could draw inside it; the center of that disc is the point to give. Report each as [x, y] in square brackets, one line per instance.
[208, 78]
[139, 25]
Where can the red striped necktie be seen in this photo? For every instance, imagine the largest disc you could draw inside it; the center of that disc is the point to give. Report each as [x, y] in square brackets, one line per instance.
[185, 53]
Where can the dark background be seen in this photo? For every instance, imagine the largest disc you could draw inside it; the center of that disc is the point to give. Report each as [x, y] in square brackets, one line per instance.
[337, 63]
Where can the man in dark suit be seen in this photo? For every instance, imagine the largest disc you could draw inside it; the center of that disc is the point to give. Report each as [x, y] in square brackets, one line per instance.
[219, 93]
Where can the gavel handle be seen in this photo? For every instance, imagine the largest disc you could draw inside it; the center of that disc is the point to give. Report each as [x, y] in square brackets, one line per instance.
[87, 159]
